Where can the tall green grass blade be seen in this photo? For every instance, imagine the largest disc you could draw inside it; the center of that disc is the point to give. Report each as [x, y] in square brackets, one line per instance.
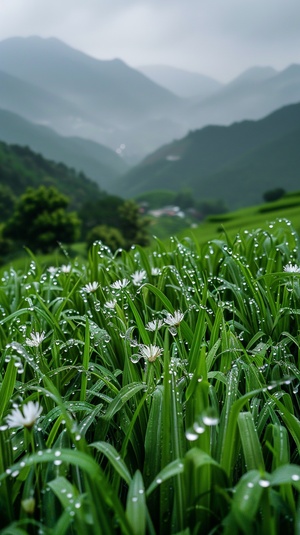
[7, 386]
[250, 442]
[113, 456]
[136, 510]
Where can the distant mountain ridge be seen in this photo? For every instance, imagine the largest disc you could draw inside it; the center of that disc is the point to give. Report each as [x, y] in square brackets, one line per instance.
[108, 98]
[98, 162]
[252, 95]
[236, 163]
[183, 83]
[51, 83]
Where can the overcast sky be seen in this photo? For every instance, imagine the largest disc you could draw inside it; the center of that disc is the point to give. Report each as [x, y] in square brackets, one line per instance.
[220, 38]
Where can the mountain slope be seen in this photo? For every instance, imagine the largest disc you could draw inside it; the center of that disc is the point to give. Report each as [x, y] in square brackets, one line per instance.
[214, 154]
[110, 102]
[33, 102]
[273, 165]
[20, 168]
[182, 83]
[88, 83]
[98, 162]
[252, 95]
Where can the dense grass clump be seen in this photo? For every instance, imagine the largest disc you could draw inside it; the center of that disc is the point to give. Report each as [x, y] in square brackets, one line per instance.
[158, 392]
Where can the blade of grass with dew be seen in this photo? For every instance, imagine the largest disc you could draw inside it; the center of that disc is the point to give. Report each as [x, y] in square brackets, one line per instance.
[250, 442]
[96, 479]
[114, 458]
[85, 362]
[70, 500]
[136, 509]
[139, 322]
[153, 435]
[197, 402]
[291, 422]
[245, 504]
[124, 395]
[200, 469]
[166, 497]
[198, 336]
[278, 437]
[229, 434]
[6, 459]
[178, 449]
[169, 471]
[7, 386]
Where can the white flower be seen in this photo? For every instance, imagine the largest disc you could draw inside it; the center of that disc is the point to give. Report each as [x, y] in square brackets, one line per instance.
[289, 268]
[66, 269]
[150, 352]
[118, 285]
[27, 418]
[175, 319]
[35, 339]
[52, 270]
[138, 277]
[110, 304]
[155, 271]
[90, 287]
[154, 325]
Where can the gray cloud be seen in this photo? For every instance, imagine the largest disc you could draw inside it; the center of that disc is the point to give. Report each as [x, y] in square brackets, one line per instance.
[217, 37]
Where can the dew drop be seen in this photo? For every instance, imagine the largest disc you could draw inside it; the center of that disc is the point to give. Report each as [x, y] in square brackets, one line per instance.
[191, 435]
[264, 483]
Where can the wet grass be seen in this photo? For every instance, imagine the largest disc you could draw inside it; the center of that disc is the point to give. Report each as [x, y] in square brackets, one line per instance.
[168, 383]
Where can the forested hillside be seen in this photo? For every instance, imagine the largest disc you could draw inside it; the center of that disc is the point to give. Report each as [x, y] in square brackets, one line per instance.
[237, 163]
[20, 167]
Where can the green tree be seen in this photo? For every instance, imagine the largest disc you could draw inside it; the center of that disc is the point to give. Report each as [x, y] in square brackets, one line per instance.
[102, 211]
[7, 202]
[110, 236]
[185, 199]
[134, 227]
[273, 194]
[40, 220]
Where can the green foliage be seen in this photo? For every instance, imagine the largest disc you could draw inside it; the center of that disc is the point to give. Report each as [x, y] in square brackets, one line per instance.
[40, 220]
[110, 236]
[100, 211]
[20, 168]
[112, 212]
[7, 201]
[133, 225]
[168, 383]
[273, 194]
[157, 198]
[209, 207]
[185, 198]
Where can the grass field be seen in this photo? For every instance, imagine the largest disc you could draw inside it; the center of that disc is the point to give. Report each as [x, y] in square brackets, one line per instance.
[258, 216]
[149, 393]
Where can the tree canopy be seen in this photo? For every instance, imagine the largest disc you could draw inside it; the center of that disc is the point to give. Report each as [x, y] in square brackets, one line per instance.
[40, 220]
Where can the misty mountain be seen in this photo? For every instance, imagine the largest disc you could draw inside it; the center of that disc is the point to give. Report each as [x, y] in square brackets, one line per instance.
[182, 83]
[98, 162]
[252, 95]
[34, 103]
[237, 163]
[52, 84]
[108, 98]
